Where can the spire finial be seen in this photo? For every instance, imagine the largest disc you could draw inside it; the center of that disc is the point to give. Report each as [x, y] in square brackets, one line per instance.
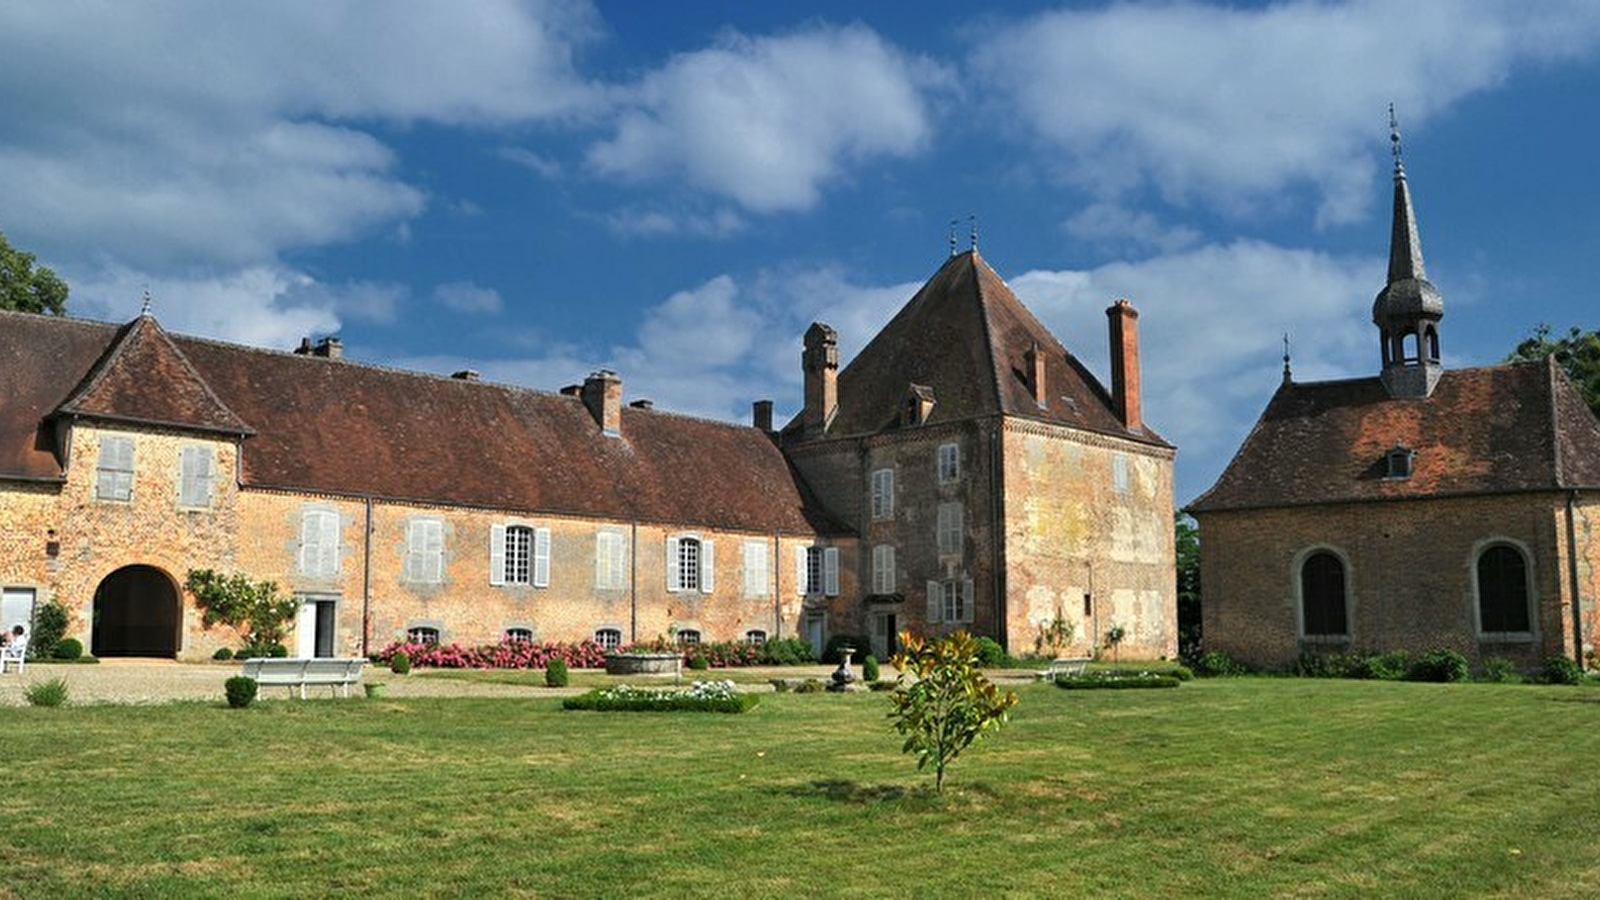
[1394, 141]
[953, 236]
[144, 307]
[1287, 375]
[974, 222]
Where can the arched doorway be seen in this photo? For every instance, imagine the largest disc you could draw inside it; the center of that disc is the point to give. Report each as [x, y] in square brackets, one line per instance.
[136, 613]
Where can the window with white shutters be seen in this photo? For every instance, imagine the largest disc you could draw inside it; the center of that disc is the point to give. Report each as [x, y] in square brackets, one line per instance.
[949, 463]
[690, 564]
[196, 471]
[757, 574]
[424, 559]
[319, 543]
[114, 469]
[610, 572]
[883, 493]
[883, 573]
[950, 528]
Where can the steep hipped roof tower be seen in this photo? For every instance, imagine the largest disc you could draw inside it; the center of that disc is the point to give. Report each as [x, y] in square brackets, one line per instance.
[1408, 309]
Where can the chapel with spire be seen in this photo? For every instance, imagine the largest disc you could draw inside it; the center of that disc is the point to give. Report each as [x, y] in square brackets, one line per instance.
[1417, 509]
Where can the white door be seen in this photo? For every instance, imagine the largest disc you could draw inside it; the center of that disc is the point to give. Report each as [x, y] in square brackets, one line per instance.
[814, 632]
[16, 608]
[305, 630]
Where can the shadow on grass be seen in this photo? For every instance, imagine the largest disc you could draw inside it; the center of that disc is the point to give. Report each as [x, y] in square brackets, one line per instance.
[843, 791]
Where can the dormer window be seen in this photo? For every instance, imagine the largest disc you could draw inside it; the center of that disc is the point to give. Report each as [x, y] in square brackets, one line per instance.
[918, 403]
[1398, 462]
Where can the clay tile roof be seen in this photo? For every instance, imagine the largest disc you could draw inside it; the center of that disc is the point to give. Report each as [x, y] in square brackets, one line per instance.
[43, 358]
[964, 335]
[1497, 429]
[144, 378]
[342, 427]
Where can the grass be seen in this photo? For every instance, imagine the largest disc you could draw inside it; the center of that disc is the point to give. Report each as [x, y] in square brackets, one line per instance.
[1225, 788]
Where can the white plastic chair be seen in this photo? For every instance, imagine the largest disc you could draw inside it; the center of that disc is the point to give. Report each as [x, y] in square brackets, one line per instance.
[16, 651]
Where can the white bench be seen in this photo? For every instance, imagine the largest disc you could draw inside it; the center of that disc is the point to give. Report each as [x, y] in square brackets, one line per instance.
[300, 671]
[1074, 665]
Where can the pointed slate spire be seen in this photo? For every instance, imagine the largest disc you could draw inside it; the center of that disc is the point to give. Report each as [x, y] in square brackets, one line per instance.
[1408, 309]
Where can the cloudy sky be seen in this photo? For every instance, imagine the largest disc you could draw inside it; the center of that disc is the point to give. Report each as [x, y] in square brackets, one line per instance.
[674, 191]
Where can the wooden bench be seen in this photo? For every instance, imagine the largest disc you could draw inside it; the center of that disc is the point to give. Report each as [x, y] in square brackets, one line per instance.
[301, 671]
[1074, 665]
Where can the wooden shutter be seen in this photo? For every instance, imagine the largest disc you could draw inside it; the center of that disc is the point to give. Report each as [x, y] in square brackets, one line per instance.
[541, 557]
[497, 555]
[830, 571]
[602, 559]
[708, 567]
[310, 530]
[966, 600]
[935, 603]
[674, 575]
[802, 584]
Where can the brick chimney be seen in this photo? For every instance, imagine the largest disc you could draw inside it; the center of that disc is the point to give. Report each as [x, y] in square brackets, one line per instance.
[602, 394]
[1033, 361]
[1125, 363]
[820, 362]
[761, 415]
[329, 347]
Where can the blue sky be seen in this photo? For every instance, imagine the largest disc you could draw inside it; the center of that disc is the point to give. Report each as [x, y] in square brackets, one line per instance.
[675, 190]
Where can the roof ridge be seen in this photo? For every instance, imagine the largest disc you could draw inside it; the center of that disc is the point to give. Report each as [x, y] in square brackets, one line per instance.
[112, 357]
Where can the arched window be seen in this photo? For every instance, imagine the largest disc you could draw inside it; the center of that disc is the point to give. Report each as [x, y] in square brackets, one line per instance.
[688, 637]
[516, 633]
[1322, 597]
[609, 638]
[1502, 591]
[422, 634]
[755, 637]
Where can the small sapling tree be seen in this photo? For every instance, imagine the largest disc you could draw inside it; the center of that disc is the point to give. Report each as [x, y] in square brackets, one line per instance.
[1114, 637]
[949, 704]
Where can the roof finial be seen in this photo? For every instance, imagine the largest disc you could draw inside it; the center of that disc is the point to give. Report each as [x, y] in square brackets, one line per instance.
[953, 237]
[974, 221]
[1394, 141]
[1287, 375]
[144, 307]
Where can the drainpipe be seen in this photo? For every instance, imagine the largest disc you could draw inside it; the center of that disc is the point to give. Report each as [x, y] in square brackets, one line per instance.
[633, 586]
[997, 532]
[366, 582]
[777, 585]
[1572, 580]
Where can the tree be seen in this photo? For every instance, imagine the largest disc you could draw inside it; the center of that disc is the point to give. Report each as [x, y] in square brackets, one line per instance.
[949, 705]
[1577, 352]
[253, 607]
[25, 288]
[1188, 544]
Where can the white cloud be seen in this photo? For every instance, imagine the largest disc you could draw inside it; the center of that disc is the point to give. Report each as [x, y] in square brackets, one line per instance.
[1230, 106]
[770, 121]
[189, 134]
[469, 298]
[1112, 226]
[650, 223]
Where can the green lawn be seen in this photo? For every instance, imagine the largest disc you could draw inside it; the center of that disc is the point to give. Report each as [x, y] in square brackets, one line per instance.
[1225, 788]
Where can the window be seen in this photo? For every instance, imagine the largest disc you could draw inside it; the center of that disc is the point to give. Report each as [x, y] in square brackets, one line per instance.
[1119, 473]
[319, 543]
[950, 528]
[949, 463]
[422, 634]
[610, 570]
[757, 575]
[519, 554]
[950, 601]
[817, 570]
[883, 574]
[755, 637]
[1503, 591]
[194, 476]
[688, 637]
[608, 638]
[883, 493]
[114, 471]
[1397, 462]
[424, 559]
[690, 564]
[1322, 596]
[517, 633]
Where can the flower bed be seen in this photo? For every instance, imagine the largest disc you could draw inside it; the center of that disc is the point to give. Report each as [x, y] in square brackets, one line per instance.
[702, 696]
[1102, 681]
[504, 655]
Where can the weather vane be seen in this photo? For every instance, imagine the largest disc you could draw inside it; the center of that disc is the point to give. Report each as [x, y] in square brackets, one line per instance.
[1394, 136]
[1287, 377]
[974, 221]
[953, 237]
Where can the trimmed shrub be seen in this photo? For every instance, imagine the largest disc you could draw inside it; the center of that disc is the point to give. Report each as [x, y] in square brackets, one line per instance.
[1499, 669]
[223, 654]
[1560, 670]
[714, 696]
[277, 651]
[698, 663]
[1391, 666]
[49, 625]
[68, 649]
[555, 673]
[47, 693]
[869, 669]
[786, 652]
[241, 691]
[990, 654]
[1444, 665]
[1217, 663]
[400, 663]
[1108, 681]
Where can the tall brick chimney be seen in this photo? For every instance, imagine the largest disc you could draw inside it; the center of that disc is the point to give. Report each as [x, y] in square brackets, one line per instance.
[761, 415]
[1125, 363]
[820, 362]
[602, 394]
[1034, 361]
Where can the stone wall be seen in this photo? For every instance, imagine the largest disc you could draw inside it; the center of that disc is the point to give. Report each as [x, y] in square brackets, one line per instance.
[1410, 575]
